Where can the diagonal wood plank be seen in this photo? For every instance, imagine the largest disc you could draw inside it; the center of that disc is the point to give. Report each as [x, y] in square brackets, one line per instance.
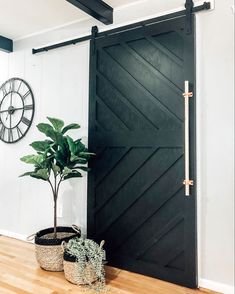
[132, 89]
[106, 192]
[173, 41]
[132, 116]
[170, 101]
[158, 235]
[154, 41]
[109, 110]
[147, 61]
[153, 167]
[111, 158]
[135, 220]
[110, 78]
[162, 250]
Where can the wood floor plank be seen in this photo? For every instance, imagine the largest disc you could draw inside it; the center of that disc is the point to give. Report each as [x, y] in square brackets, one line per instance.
[20, 274]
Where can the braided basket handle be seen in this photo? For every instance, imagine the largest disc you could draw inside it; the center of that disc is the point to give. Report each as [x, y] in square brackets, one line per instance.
[31, 237]
[63, 245]
[76, 229]
[102, 243]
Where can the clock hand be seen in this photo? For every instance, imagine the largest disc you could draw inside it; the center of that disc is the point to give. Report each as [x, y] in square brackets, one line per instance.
[20, 108]
[10, 121]
[2, 111]
[11, 99]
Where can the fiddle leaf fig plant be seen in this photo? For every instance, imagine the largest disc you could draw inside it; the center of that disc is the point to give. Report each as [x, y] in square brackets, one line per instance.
[57, 158]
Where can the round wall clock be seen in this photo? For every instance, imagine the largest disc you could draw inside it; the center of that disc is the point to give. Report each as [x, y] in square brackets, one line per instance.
[16, 110]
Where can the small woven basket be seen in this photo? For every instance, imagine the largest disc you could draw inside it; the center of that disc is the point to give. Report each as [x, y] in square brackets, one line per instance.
[49, 253]
[72, 270]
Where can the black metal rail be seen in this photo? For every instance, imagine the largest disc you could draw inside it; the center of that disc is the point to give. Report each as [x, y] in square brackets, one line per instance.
[185, 12]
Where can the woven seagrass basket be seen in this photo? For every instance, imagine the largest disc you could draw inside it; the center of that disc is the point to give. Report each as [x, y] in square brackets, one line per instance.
[71, 271]
[49, 253]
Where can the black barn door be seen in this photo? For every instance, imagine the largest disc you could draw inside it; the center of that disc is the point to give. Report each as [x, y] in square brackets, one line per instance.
[136, 199]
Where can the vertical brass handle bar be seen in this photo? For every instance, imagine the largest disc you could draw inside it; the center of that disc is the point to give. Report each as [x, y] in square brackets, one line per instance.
[187, 182]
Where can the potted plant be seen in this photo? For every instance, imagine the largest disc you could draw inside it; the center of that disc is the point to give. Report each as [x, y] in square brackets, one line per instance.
[57, 159]
[84, 263]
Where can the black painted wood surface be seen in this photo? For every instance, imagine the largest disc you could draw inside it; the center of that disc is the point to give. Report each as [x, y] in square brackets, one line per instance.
[136, 200]
[6, 44]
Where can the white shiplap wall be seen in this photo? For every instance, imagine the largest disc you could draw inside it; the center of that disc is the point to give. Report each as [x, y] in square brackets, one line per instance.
[59, 81]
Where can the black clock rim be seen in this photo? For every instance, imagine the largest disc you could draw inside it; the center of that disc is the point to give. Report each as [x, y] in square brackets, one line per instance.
[33, 109]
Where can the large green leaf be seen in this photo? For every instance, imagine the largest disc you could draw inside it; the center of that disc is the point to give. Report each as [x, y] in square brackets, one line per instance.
[55, 168]
[74, 158]
[35, 176]
[77, 147]
[72, 145]
[57, 123]
[62, 156]
[42, 173]
[41, 145]
[43, 128]
[73, 175]
[86, 154]
[80, 146]
[55, 136]
[66, 171]
[78, 160]
[27, 174]
[33, 159]
[70, 127]
[84, 168]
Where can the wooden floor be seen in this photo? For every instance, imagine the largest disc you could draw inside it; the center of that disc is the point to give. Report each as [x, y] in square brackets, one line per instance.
[19, 273]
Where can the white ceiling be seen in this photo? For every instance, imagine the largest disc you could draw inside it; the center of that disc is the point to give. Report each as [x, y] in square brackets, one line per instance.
[20, 18]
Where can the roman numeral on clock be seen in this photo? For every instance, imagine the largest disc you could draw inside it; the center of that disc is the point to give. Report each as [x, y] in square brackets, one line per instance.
[28, 107]
[2, 131]
[4, 91]
[12, 86]
[19, 86]
[19, 132]
[25, 121]
[10, 135]
[25, 95]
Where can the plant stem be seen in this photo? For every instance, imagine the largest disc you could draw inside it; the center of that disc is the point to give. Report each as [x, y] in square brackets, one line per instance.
[55, 196]
[55, 216]
[55, 206]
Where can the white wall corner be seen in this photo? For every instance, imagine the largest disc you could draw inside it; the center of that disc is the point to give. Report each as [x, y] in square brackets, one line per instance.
[13, 235]
[215, 286]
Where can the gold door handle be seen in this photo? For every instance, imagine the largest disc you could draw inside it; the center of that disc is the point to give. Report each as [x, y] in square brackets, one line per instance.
[187, 182]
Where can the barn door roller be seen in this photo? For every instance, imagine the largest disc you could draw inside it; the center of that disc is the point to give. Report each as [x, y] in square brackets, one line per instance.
[189, 10]
[187, 182]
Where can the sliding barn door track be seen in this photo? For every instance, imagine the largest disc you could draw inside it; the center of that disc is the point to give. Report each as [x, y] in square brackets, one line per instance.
[187, 12]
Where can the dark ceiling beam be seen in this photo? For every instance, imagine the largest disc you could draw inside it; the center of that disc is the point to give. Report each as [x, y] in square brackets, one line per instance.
[6, 44]
[96, 8]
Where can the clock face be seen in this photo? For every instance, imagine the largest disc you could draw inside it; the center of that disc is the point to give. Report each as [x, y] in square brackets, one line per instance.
[16, 110]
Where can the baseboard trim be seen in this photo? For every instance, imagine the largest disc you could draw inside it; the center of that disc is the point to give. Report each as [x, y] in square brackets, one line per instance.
[215, 286]
[13, 235]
